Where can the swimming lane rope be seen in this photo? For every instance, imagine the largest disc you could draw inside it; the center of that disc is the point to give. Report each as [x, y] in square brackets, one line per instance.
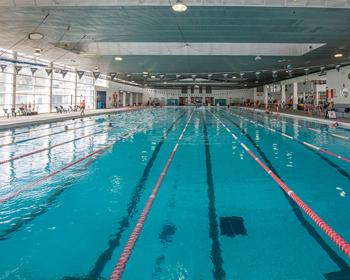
[332, 234]
[124, 257]
[99, 151]
[295, 139]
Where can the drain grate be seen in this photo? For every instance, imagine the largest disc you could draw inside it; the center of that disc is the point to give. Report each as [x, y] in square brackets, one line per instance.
[232, 226]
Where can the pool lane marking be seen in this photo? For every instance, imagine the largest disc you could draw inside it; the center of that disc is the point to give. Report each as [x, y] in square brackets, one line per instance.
[124, 222]
[58, 132]
[216, 257]
[299, 141]
[98, 151]
[49, 148]
[43, 128]
[332, 234]
[124, 257]
[323, 157]
[43, 208]
[124, 136]
[312, 129]
[304, 221]
[340, 136]
[46, 135]
[84, 119]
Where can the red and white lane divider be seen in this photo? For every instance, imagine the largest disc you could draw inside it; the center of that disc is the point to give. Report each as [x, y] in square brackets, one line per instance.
[99, 151]
[39, 129]
[346, 138]
[119, 268]
[46, 135]
[48, 148]
[332, 234]
[297, 140]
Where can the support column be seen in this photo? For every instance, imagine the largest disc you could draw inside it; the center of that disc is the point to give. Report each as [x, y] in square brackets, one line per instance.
[124, 98]
[76, 90]
[295, 95]
[14, 84]
[317, 96]
[139, 99]
[255, 94]
[283, 95]
[266, 97]
[51, 84]
[131, 99]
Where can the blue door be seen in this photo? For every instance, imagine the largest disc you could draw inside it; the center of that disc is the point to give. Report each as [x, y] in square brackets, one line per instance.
[101, 99]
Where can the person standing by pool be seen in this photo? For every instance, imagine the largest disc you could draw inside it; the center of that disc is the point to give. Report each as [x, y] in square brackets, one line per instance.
[275, 104]
[82, 107]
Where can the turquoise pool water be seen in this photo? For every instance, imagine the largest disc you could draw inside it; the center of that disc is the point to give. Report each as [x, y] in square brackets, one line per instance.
[218, 215]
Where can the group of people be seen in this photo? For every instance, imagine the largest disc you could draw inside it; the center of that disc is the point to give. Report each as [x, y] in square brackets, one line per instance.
[306, 104]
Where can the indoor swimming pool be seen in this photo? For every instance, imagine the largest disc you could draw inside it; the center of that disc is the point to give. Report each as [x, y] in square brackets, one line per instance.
[72, 194]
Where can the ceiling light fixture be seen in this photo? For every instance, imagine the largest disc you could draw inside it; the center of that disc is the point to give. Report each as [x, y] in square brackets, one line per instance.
[338, 55]
[37, 52]
[179, 6]
[35, 36]
[118, 58]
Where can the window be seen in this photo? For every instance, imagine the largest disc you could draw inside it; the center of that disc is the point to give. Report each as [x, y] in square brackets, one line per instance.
[33, 91]
[192, 89]
[6, 88]
[86, 91]
[208, 89]
[63, 89]
[184, 89]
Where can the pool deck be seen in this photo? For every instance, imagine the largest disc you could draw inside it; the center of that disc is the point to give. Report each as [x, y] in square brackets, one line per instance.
[20, 121]
[304, 115]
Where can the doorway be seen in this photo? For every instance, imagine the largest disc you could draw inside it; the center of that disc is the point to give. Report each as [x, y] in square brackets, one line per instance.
[101, 99]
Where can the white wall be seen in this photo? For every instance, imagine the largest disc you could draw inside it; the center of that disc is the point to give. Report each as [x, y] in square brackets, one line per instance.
[114, 87]
[231, 95]
[338, 81]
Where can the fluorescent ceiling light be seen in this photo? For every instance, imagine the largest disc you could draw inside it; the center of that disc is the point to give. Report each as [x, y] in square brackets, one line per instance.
[85, 54]
[179, 6]
[338, 55]
[37, 52]
[35, 36]
[118, 58]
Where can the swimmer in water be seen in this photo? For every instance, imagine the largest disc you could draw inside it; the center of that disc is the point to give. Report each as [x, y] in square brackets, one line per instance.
[335, 124]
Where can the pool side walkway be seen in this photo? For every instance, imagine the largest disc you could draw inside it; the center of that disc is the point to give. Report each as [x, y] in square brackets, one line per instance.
[20, 121]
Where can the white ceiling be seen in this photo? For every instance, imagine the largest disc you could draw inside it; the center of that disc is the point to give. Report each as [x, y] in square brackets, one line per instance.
[165, 48]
